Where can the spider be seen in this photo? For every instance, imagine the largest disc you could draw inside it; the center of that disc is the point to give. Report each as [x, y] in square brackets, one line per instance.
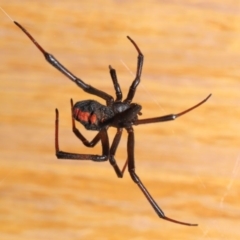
[118, 113]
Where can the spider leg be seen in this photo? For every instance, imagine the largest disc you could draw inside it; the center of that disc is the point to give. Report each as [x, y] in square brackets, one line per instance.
[55, 63]
[102, 135]
[116, 84]
[113, 150]
[170, 116]
[136, 81]
[136, 179]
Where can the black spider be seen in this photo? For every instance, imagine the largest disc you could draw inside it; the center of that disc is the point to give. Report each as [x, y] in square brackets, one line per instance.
[117, 113]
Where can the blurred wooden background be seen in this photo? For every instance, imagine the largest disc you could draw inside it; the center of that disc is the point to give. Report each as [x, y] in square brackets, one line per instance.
[190, 166]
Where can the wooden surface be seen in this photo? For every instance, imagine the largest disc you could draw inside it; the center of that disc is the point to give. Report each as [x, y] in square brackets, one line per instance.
[190, 166]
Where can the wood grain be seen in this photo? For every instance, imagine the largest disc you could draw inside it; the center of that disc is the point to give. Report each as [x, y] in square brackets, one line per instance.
[190, 166]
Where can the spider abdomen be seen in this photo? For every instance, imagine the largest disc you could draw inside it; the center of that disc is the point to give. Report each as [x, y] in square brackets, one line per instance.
[92, 114]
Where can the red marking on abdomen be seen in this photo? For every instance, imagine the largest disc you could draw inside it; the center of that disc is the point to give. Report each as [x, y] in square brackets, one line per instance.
[93, 118]
[82, 116]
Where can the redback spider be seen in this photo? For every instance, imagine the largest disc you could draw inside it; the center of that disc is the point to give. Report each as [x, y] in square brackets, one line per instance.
[117, 113]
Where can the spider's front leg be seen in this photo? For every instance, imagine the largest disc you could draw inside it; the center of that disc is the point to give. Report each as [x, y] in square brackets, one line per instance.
[55, 63]
[136, 179]
[102, 135]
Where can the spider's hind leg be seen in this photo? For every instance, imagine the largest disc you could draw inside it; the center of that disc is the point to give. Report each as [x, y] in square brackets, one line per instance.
[102, 135]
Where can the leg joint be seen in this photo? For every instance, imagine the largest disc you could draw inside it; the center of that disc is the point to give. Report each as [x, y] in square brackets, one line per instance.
[134, 176]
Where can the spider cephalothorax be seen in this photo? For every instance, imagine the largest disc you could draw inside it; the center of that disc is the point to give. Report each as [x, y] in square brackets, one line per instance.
[117, 113]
